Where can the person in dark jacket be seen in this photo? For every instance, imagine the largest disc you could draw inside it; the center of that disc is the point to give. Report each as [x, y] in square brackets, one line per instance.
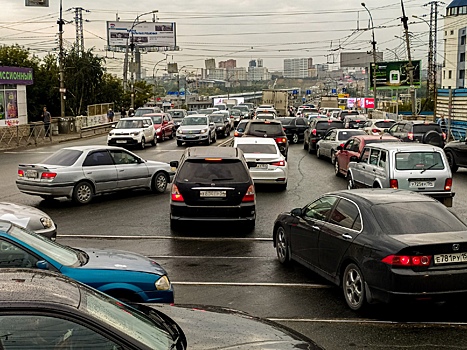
[46, 118]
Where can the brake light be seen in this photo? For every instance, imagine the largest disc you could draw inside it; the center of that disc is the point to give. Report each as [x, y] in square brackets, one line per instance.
[313, 132]
[279, 163]
[176, 195]
[236, 134]
[20, 173]
[249, 195]
[213, 159]
[375, 131]
[342, 145]
[407, 260]
[47, 175]
[357, 121]
[281, 140]
[444, 136]
[393, 184]
[410, 135]
[448, 184]
[283, 129]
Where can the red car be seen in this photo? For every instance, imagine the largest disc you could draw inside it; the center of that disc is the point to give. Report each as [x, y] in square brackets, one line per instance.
[354, 147]
[163, 124]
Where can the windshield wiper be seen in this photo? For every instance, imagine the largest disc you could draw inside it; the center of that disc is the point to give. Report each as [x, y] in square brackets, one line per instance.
[431, 166]
[263, 131]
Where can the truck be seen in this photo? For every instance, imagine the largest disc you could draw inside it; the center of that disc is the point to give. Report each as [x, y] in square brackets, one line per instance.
[277, 98]
[329, 102]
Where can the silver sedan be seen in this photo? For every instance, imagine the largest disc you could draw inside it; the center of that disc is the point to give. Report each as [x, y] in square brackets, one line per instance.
[327, 146]
[79, 173]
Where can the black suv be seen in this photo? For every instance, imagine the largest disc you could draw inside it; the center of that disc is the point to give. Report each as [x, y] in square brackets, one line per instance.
[315, 132]
[222, 122]
[418, 131]
[269, 128]
[212, 184]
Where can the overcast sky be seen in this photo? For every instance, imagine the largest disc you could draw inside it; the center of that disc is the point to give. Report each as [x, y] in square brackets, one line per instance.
[224, 29]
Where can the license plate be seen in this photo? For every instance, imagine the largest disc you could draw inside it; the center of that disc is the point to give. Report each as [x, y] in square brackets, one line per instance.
[190, 136]
[31, 174]
[121, 141]
[261, 166]
[450, 258]
[421, 184]
[213, 193]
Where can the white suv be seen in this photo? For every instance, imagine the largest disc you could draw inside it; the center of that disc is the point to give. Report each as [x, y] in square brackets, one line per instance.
[133, 131]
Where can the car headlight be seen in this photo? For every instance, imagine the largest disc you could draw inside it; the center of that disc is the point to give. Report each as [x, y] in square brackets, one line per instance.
[204, 131]
[111, 133]
[219, 128]
[135, 133]
[162, 283]
[158, 130]
[180, 131]
[47, 222]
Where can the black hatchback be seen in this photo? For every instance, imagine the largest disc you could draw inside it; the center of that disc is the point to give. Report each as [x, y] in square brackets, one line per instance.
[269, 128]
[294, 128]
[212, 184]
[317, 129]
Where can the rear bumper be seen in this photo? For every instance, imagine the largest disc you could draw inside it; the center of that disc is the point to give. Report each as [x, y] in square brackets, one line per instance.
[277, 176]
[46, 189]
[183, 212]
[443, 197]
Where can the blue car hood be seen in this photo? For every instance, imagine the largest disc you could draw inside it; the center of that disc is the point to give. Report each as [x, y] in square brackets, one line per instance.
[111, 259]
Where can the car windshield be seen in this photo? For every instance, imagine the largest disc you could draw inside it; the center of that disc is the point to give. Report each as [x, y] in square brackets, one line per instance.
[64, 157]
[265, 116]
[195, 121]
[345, 135]
[384, 124]
[140, 112]
[129, 124]
[415, 217]
[127, 320]
[225, 171]
[62, 254]
[419, 161]
[204, 111]
[241, 108]
[177, 114]
[258, 148]
[235, 112]
[157, 119]
[217, 118]
[424, 128]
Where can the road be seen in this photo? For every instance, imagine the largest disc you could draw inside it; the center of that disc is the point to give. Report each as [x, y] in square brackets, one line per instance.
[224, 266]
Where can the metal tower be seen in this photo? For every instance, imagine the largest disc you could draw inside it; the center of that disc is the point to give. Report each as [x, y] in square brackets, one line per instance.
[79, 29]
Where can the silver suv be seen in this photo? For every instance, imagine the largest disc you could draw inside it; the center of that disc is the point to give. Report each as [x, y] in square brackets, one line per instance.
[416, 167]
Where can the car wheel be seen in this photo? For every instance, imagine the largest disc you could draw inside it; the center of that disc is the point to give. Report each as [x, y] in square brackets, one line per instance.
[143, 143]
[354, 287]
[451, 161]
[172, 134]
[208, 141]
[154, 141]
[82, 193]
[179, 143]
[433, 137]
[318, 153]
[310, 149]
[227, 132]
[350, 184]
[215, 137]
[162, 136]
[305, 145]
[282, 246]
[295, 138]
[333, 157]
[336, 168]
[159, 182]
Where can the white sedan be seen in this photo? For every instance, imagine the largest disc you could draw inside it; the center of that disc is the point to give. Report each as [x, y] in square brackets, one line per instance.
[377, 126]
[271, 166]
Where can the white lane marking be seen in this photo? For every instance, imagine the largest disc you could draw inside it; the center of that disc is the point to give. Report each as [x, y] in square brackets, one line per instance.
[362, 320]
[246, 284]
[208, 257]
[229, 140]
[168, 237]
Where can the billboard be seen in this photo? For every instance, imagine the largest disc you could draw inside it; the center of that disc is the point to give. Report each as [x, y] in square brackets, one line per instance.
[358, 59]
[394, 75]
[143, 34]
[39, 3]
[16, 75]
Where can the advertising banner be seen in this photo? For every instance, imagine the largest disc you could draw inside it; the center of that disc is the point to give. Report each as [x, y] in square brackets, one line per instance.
[394, 75]
[143, 34]
[11, 104]
[2, 106]
[16, 75]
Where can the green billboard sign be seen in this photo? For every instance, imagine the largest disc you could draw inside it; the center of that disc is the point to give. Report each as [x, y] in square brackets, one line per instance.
[395, 75]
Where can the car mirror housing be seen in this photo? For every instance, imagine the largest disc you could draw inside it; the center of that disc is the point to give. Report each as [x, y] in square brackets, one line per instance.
[340, 147]
[42, 265]
[296, 212]
[174, 163]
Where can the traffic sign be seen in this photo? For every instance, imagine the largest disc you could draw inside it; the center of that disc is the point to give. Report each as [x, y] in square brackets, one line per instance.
[308, 92]
[334, 91]
[295, 92]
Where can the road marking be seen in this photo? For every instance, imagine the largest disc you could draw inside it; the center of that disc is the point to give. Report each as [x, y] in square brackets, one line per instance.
[169, 237]
[361, 320]
[208, 257]
[246, 284]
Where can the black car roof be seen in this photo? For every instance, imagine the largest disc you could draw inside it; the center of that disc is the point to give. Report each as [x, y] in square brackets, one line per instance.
[417, 122]
[213, 152]
[383, 196]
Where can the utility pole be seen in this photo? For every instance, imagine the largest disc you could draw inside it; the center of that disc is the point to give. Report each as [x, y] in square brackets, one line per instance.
[79, 29]
[409, 67]
[60, 23]
[373, 44]
[433, 74]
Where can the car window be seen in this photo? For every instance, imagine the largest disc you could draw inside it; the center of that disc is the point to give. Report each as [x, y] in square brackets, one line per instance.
[286, 121]
[195, 121]
[64, 157]
[129, 124]
[265, 128]
[122, 157]
[348, 146]
[157, 119]
[49, 332]
[258, 148]
[382, 159]
[365, 155]
[345, 135]
[374, 156]
[320, 209]
[346, 214]
[98, 158]
[383, 124]
[216, 172]
[217, 118]
[13, 256]
[300, 121]
[419, 160]
[356, 146]
[394, 128]
[424, 128]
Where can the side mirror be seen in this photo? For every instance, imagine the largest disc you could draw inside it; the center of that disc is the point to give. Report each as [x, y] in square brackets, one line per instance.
[340, 148]
[145, 125]
[251, 164]
[212, 124]
[42, 265]
[141, 160]
[354, 159]
[113, 125]
[174, 164]
[385, 130]
[296, 212]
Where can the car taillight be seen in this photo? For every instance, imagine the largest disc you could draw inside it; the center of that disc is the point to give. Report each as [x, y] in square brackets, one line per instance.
[283, 129]
[236, 134]
[249, 195]
[20, 173]
[375, 131]
[342, 145]
[47, 175]
[393, 184]
[407, 260]
[313, 132]
[281, 140]
[448, 184]
[176, 195]
[279, 163]
[444, 136]
[410, 135]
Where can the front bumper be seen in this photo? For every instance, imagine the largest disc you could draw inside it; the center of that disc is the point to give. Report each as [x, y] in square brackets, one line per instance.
[158, 296]
[123, 140]
[192, 137]
[46, 188]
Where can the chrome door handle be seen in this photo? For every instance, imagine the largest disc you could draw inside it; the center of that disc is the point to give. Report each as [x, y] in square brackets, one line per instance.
[347, 237]
[121, 171]
[315, 227]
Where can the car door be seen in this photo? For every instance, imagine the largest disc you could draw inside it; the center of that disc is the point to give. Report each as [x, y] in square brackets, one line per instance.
[301, 125]
[370, 170]
[360, 168]
[100, 169]
[351, 148]
[149, 132]
[305, 233]
[131, 171]
[337, 234]
[394, 131]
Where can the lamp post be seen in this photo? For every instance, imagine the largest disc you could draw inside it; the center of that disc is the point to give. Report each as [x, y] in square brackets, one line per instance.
[373, 43]
[178, 83]
[60, 23]
[154, 76]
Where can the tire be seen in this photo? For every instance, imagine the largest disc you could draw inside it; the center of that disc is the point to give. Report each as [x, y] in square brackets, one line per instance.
[434, 138]
[162, 136]
[353, 286]
[282, 187]
[83, 192]
[310, 149]
[159, 182]
[333, 157]
[318, 153]
[451, 161]
[305, 145]
[336, 168]
[350, 184]
[154, 141]
[227, 132]
[179, 143]
[172, 134]
[282, 246]
[215, 138]
[208, 141]
[295, 138]
[143, 143]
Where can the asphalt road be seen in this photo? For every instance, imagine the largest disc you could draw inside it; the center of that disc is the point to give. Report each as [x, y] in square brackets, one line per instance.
[224, 266]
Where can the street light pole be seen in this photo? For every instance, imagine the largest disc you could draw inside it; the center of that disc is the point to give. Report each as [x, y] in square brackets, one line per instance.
[178, 84]
[154, 77]
[60, 23]
[394, 52]
[373, 43]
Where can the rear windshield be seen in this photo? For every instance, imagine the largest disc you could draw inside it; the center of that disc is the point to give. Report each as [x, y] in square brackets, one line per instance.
[328, 125]
[65, 157]
[139, 112]
[214, 172]
[216, 118]
[177, 114]
[419, 160]
[384, 125]
[286, 121]
[427, 218]
[255, 148]
[423, 128]
[350, 113]
[156, 119]
[345, 135]
[268, 129]
[367, 142]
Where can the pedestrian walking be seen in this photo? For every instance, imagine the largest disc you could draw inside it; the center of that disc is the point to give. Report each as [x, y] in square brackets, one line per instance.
[46, 118]
[110, 115]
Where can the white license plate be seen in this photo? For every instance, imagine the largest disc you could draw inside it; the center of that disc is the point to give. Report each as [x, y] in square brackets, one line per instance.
[213, 193]
[31, 174]
[261, 166]
[450, 258]
[121, 141]
[421, 184]
[190, 136]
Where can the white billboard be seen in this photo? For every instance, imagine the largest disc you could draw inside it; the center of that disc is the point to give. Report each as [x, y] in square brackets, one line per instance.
[143, 34]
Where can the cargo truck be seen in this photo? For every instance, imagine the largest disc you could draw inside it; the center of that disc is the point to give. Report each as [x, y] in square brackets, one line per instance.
[329, 102]
[279, 99]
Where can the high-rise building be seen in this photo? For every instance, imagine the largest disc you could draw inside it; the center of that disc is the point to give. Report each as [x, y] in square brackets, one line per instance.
[258, 73]
[236, 74]
[297, 67]
[252, 63]
[217, 73]
[259, 61]
[228, 64]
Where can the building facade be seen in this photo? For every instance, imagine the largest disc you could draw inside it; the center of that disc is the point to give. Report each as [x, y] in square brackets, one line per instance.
[298, 67]
[228, 64]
